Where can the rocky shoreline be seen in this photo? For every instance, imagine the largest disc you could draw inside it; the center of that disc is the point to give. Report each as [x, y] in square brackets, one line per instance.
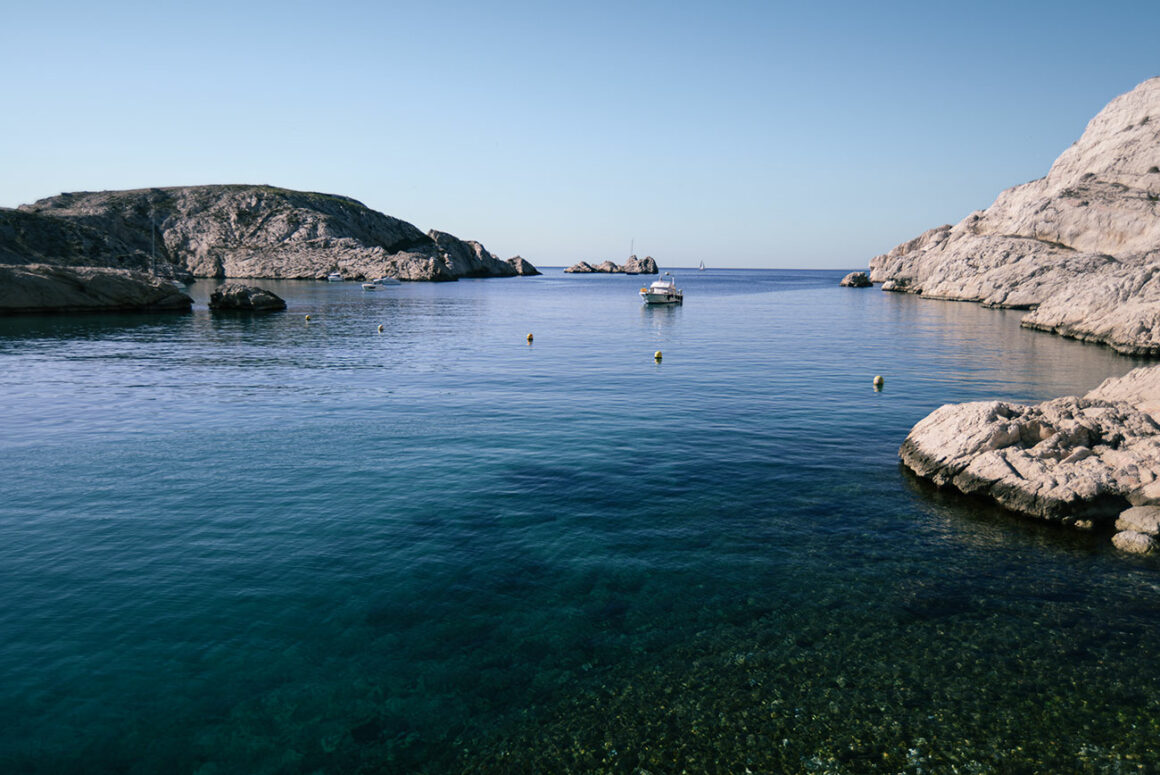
[222, 232]
[1082, 462]
[1080, 250]
[37, 288]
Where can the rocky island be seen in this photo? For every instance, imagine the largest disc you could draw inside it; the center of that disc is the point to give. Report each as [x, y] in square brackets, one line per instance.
[634, 265]
[1080, 249]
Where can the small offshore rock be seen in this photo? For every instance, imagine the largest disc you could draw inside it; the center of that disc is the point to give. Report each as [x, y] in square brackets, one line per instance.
[634, 265]
[522, 266]
[856, 280]
[1140, 519]
[244, 298]
[581, 267]
[1134, 543]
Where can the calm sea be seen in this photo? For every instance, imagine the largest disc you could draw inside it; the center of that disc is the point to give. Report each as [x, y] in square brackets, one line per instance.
[235, 544]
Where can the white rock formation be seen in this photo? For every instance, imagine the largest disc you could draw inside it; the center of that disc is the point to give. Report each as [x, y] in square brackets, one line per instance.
[1080, 246]
[1074, 460]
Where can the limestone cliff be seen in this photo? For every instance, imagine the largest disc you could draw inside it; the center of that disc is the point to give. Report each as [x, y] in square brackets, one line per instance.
[1080, 247]
[244, 232]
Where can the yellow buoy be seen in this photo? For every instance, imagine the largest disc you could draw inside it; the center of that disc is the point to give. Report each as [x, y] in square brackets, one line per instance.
[380, 328]
[657, 355]
[879, 382]
[529, 338]
[308, 317]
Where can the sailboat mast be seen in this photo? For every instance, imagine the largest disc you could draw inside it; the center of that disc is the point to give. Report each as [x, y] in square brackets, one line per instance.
[152, 244]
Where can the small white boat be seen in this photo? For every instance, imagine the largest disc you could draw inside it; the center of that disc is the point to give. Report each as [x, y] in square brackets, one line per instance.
[370, 286]
[662, 291]
[388, 280]
[701, 268]
[334, 277]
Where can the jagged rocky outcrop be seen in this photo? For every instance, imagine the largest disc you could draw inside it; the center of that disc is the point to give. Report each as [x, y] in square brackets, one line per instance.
[239, 297]
[237, 232]
[1080, 461]
[856, 280]
[522, 266]
[1080, 247]
[634, 265]
[55, 288]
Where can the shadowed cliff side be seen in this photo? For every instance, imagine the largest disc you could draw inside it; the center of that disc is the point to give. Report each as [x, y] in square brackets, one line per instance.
[238, 231]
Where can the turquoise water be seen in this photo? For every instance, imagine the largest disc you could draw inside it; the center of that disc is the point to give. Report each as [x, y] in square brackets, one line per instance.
[235, 544]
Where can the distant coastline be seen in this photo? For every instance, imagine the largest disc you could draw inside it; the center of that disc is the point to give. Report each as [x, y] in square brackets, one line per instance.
[129, 239]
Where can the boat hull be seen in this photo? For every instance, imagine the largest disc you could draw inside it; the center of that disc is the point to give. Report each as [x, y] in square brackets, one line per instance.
[661, 298]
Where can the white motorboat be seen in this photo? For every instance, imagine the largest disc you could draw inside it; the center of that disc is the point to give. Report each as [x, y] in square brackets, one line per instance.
[662, 291]
[370, 286]
[334, 277]
[388, 280]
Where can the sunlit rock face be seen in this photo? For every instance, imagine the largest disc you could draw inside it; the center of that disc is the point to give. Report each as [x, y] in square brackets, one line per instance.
[1081, 461]
[1080, 247]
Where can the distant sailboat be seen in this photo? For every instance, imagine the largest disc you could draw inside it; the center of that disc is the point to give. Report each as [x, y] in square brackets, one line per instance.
[701, 268]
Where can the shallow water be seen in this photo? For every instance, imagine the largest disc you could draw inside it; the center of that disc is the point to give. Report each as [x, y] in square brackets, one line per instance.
[271, 545]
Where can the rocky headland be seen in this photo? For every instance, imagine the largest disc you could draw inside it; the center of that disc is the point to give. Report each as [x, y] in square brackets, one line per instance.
[1080, 247]
[634, 265]
[240, 231]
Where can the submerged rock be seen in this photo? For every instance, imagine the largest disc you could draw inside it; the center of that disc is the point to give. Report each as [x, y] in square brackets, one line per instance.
[1070, 460]
[1135, 543]
[1080, 247]
[856, 280]
[47, 288]
[246, 298]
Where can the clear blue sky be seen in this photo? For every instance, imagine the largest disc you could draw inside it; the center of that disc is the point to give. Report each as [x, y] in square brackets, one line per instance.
[812, 134]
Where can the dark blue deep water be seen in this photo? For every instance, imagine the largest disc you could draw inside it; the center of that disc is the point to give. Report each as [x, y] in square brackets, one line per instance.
[234, 544]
